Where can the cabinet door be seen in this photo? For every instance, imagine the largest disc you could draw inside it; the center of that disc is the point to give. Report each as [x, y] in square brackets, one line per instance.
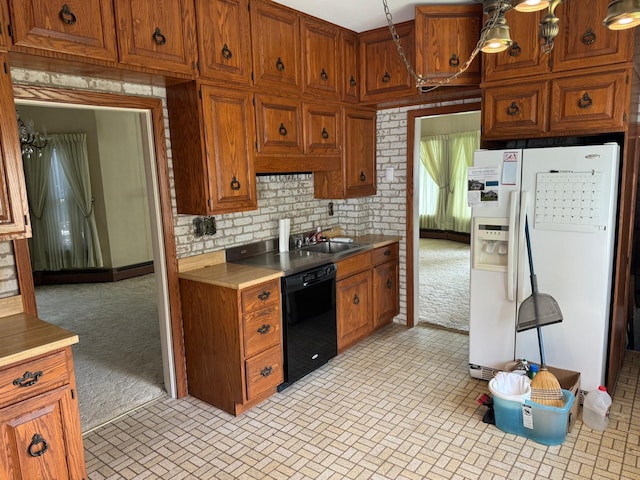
[40, 438]
[359, 153]
[276, 46]
[384, 74]
[353, 308]
[78, 27]
[13, 198]
[229, 138]
[157, 34]
[322, 129]
[224, 42]
[386, 293]
[584, 41]
[590, 102]
[445, 37]
[279, 125]
[525, 57]
[321, 58]
[515, 111]
[350, 75]
[4, 21]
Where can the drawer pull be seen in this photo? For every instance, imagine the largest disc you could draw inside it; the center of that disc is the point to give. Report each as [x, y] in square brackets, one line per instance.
[386, 78]
[363, 177]
[266, 371]
[589, 38]
[158, 37]
[325, 134]
[279, 65]
[264, 295]
[67, 16]
[35, 442]
[389, 284]
[323, 75]
[264, 329]
[513, 109]
[226, 53]
[235, 184]
[515, 50]
[387, 253]
[585, 101]
[282, 130]
[28, 379]
[356, 299]
[454, 61]
[352, 81]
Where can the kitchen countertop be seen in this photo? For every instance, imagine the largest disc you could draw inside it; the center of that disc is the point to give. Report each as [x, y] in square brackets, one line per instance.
[23, 336]
[247, 274]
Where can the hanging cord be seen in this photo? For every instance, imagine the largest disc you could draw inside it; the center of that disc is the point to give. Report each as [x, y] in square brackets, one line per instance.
[420, 80]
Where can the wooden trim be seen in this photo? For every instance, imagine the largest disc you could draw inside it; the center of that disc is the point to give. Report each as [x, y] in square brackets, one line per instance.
[445, 235]
[25, 279]
[154, 105]
[200, 261]
[92, 275]
[412, 115]
[11, 306]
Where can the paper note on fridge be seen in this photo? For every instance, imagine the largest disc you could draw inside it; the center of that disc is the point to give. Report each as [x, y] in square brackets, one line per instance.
[483, 186]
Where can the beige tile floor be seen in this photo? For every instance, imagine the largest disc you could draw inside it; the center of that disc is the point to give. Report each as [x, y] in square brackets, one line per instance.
[399, 405]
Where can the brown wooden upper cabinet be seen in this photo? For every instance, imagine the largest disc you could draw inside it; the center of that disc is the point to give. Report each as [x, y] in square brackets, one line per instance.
[85, 28]
[212, 135]
[349, 45]
[14, 210]
[157, 34]
[224, 40]
[279, 125]
[445, 38]
[382, 70]
[321, 51]
[275, 37]
[322, 129]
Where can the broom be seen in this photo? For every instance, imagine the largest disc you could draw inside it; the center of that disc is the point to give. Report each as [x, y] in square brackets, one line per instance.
[545, 388]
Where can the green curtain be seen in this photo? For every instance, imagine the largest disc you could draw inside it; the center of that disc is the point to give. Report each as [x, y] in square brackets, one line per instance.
[434, 157]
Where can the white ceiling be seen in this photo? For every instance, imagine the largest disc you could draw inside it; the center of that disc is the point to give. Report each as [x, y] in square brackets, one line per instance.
[361, 15]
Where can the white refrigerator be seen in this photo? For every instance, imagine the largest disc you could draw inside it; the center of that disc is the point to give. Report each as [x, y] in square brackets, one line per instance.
[569, 195]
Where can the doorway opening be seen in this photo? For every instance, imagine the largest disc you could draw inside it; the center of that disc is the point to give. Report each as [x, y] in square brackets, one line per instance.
[125, 355]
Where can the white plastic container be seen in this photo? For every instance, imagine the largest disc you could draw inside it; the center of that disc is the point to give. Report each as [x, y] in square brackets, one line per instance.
[595, 409]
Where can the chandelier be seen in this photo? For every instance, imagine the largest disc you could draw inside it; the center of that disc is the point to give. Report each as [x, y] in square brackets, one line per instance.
[495, 37]
[30, 140]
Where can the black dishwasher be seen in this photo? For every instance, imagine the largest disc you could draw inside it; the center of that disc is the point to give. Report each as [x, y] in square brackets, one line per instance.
[308, 321]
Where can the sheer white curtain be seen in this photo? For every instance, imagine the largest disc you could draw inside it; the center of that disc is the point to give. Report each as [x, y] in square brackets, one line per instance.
[60, 199]
[444, 160]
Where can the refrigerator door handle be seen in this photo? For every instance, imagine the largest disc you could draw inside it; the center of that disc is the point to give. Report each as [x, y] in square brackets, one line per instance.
[524, 205]
[511, 257]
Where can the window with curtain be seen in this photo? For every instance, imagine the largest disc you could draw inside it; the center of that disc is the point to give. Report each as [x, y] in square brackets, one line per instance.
[61, 205]
[443, 180]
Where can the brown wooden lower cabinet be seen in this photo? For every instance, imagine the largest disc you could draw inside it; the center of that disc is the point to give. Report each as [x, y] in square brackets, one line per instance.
[386, 289]
[40, 436]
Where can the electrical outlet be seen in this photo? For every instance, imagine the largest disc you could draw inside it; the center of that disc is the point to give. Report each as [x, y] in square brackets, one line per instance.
[209, 225]
[198, 227]
[330, 209]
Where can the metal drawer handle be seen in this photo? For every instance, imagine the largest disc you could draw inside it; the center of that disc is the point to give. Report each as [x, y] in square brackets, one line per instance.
[386, 78]
[264, 329]
[363, 177]
[235, 184]
[35, 441]
[158, 37]
[515, 50]
[325, 134]
[387, 253]
[323, 75]
[513, 109]
[352, 81]
[282, 130]
[66, 15]
[454, 61]
[279, 65]
[389, 284]
[28, 379]
[589, 38]
[226, 53]
[264, 295]
[585, 101]
[266, 371]
[356, 299]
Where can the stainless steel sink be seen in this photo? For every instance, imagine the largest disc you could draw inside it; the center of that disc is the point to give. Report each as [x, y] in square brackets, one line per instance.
[333, 247]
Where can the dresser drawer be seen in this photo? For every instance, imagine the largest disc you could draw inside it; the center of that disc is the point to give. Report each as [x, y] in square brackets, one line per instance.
[31, 378]
[386, 253]
[261, 329]
[264, 372]
[260, 296]
[354, 264]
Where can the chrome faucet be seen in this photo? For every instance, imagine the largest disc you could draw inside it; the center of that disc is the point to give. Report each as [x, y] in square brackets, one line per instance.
[317, 236]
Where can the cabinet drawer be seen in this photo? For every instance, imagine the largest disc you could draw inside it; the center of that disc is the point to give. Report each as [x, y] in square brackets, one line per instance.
[35, 376]
[354, 264]
[386, 253]
[590, 102]
[261, 329]
[261, 295]
[264, 371]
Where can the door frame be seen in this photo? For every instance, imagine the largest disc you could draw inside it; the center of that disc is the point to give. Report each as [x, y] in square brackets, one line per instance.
[157, 141]
[412, 234]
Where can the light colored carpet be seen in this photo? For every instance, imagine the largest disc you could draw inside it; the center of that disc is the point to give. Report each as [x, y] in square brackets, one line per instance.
[444, 283]
[118, 362]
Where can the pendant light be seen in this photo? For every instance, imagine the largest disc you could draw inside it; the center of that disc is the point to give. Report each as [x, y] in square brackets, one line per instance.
[498, 38]
[622, 14]
[529, 5]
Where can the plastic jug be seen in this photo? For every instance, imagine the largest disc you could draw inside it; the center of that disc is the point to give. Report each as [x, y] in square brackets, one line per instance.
[595, 409]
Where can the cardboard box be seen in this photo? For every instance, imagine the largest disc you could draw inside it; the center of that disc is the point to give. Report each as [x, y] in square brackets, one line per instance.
[569, 380]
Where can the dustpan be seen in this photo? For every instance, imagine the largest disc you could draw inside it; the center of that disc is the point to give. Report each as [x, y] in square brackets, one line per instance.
[536, 311]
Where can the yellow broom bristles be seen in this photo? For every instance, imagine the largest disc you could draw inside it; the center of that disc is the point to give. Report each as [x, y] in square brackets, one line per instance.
[546, 390]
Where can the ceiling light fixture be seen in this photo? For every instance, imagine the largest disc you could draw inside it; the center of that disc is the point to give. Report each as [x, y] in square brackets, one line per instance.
[30, 140]
[495, 37]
